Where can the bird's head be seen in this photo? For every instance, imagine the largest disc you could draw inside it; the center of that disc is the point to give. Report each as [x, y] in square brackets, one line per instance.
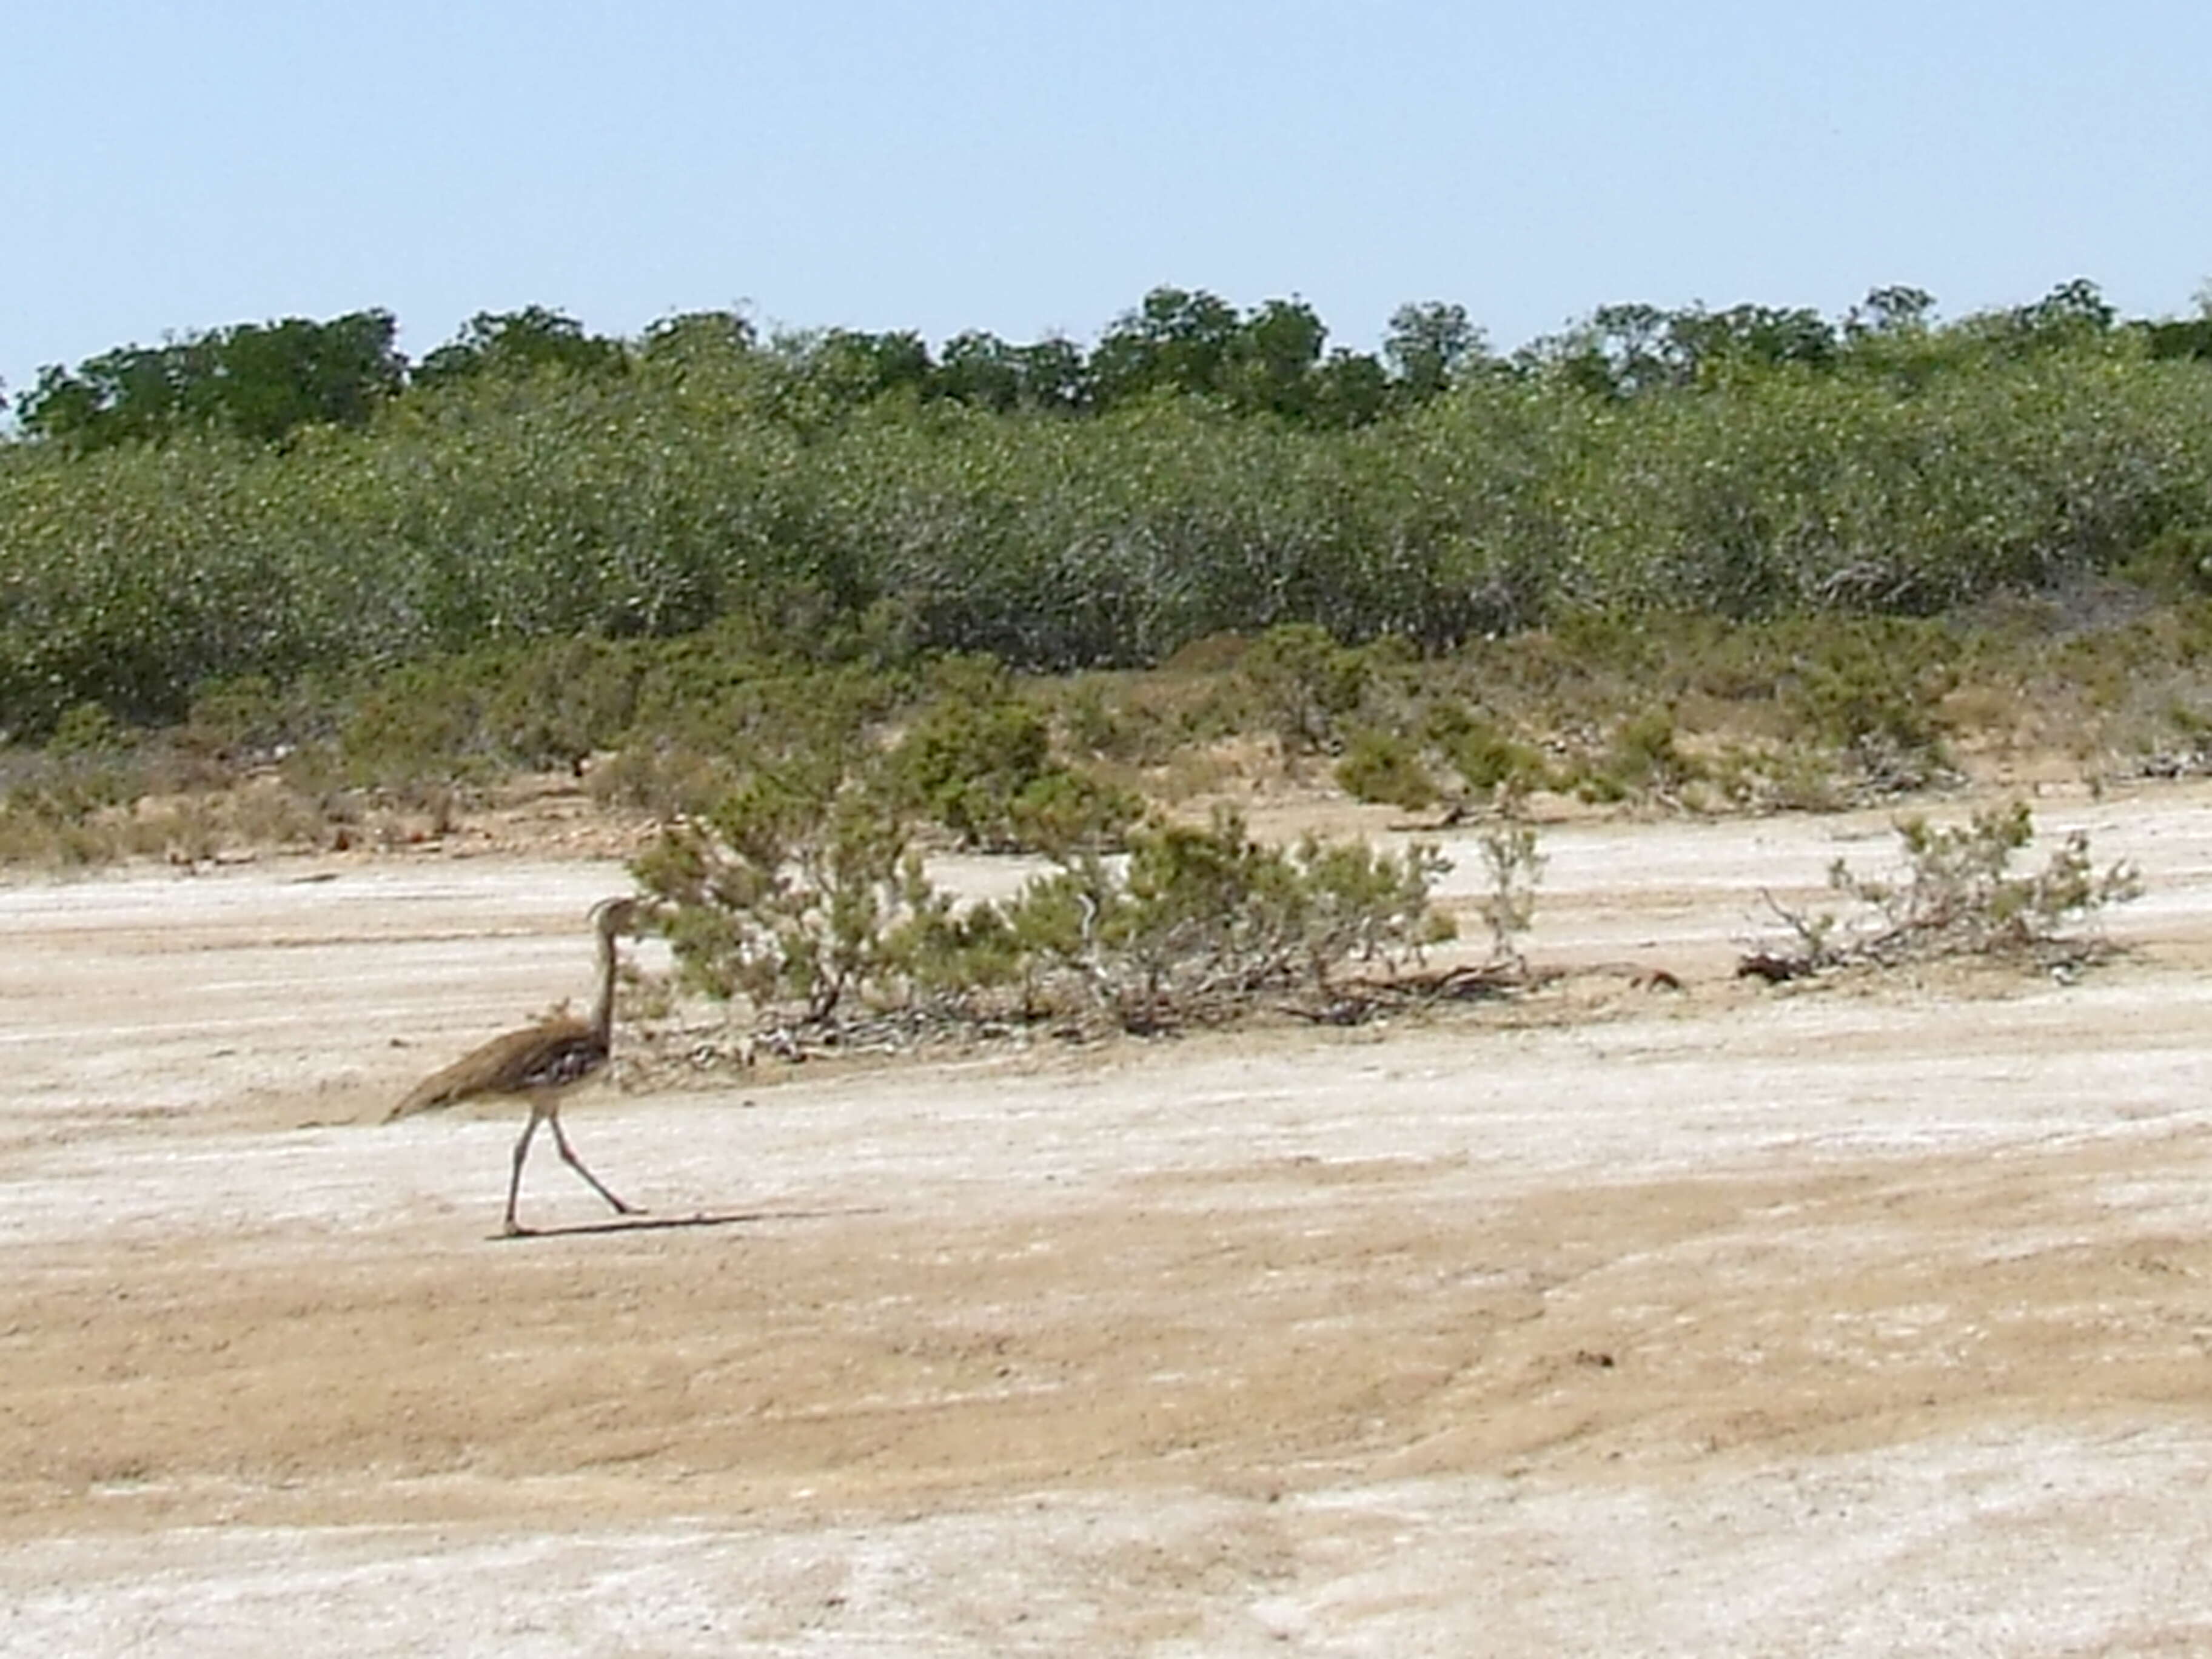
[615, 915]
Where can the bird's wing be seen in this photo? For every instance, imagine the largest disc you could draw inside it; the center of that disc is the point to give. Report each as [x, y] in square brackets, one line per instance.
[541, 1057]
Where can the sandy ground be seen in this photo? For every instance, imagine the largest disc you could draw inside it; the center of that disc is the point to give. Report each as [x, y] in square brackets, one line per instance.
[1838, 1322]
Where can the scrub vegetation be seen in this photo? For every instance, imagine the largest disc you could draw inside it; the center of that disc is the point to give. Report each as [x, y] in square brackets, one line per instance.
[814, 601]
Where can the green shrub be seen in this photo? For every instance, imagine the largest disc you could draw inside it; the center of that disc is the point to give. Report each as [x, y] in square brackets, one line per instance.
[1956, 895]
[1064, 810]
[1305, 683]
[86, 731]
[789, 892]
[799, 895]
[1511, 859]
[2175, 564]
[1202, 920]
[1644, 757]
[1385, 767]
[1490, 764]
[973, 749]
[1863, 693]
[979, 760]
[249, 721]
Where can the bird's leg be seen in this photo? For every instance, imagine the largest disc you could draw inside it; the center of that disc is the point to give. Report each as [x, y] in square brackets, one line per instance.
[568, 1157]
[514, 1181]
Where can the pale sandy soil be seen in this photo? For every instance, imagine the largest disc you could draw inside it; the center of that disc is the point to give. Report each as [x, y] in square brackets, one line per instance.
[1849, 1321]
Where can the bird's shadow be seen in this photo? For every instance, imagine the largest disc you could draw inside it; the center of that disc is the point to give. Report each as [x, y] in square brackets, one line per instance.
[654, 1224]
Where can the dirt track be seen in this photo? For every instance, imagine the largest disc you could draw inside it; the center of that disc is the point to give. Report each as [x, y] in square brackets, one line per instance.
[1846, 1322]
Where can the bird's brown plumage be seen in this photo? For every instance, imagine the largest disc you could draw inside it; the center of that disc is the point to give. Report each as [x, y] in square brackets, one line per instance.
[552, 1053]
[539, 1062]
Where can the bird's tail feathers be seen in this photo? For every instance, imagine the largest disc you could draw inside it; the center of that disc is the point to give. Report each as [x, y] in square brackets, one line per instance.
[432, 1093]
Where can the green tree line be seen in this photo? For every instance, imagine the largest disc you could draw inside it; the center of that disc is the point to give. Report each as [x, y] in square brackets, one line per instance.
[296, 498]
[265, 381]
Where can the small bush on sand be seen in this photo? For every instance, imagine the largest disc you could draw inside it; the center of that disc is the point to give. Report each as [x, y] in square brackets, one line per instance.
[1513, 864]
[1956, 895]
[801, 895]
[1199, 922]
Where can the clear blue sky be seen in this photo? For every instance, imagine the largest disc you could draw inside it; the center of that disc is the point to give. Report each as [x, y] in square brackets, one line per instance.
[1030, 167]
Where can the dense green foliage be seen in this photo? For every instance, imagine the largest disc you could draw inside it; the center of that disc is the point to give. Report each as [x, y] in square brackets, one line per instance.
[1200, 470]
[255, 380]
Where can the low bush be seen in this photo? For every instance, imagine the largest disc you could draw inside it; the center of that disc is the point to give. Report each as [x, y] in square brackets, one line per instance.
[789, 892]
[1304, 683]
[1386, 767]
[978, 759]
[1956, 894]
[1200, 920]
[805, 899]
[1511, 859]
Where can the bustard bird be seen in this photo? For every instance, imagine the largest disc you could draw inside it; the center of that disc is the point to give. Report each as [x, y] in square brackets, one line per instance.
[540, 1064]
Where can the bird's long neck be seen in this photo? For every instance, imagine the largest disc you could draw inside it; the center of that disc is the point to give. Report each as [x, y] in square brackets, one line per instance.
[603, 1004]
